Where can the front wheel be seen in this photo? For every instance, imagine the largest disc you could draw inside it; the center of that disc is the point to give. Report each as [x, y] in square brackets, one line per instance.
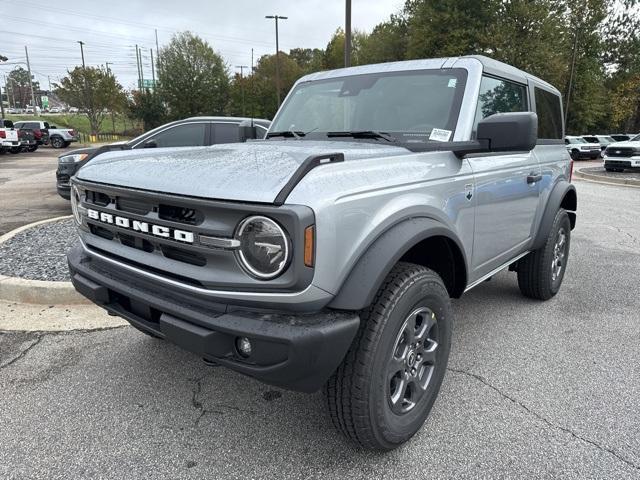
[383, 391]
[541, 272]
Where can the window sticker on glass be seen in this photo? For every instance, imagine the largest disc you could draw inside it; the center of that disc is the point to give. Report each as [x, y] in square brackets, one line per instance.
[452, 83]
[440, 135]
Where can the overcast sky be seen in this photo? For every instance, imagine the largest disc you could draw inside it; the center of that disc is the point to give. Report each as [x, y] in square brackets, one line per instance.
[111, 28]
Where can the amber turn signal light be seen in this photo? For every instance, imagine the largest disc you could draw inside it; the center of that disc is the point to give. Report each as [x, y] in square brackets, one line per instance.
[309, 245]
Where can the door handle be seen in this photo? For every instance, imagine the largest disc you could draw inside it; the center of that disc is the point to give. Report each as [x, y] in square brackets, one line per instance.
[533, 178]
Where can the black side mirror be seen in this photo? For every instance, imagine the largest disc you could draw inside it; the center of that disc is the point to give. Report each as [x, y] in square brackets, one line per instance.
[150, 144]
[52, 127]
[248, 132]
[509, 132]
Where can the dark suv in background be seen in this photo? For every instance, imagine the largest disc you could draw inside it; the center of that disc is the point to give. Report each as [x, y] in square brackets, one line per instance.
[190, 132]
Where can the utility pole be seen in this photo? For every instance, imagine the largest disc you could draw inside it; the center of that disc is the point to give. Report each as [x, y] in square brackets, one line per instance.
[1, 102]
[49, 80]
[153, 72]
[82, 52]
[157, 51]
[276, 18]
[242, 67]
[33, 97]
[106, 64]
[347, 34]
[141, 70]
[252, 90]
[573, 66]
[138, 67]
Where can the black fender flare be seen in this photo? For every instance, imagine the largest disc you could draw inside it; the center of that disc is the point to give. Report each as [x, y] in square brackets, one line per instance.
[368, 273]
[556, 198]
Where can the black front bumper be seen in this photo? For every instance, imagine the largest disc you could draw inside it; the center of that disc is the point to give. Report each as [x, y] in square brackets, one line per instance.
[298, 352]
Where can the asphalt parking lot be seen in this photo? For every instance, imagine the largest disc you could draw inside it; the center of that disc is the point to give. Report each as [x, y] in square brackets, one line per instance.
[534, 390]
[28, 188]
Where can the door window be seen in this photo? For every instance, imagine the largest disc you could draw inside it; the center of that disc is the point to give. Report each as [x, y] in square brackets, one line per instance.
[187, 135]
[226, 133]
[499, 96]
[549, 114]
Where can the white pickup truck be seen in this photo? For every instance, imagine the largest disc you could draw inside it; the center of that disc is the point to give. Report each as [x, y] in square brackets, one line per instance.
[8, 136]
[62, 137]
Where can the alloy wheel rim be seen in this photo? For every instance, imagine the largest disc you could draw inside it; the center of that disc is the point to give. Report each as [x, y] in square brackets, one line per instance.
[559, 253]
[410, 369]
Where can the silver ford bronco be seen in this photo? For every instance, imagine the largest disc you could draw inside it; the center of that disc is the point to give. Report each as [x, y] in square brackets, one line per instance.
[326, 255]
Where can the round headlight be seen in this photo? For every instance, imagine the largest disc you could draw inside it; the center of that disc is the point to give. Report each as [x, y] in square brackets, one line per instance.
[75, 200]
[264, 247]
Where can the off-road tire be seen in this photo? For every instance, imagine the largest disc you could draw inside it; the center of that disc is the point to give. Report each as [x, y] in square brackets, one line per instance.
[32, 148]
[15, 150]
[357, 393]
[535, 271]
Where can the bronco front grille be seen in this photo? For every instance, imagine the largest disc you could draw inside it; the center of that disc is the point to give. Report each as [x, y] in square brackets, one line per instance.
[625, 152]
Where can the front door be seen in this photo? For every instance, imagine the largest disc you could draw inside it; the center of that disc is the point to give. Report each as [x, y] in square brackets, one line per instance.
[506, 186]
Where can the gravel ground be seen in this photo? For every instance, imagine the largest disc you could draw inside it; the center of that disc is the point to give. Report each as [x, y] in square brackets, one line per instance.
[39, 253]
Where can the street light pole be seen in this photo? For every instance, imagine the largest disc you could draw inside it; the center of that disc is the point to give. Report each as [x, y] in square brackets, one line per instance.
[276, 18]
[242, 67]
[347, 34]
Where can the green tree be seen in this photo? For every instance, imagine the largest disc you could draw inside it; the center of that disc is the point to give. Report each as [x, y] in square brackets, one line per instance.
[147, 106]
[18, 85]
[387, 42]
[445, 28]
[308, 59]
[262, 99]
[193, 78]
[334, 53]
[94, 91]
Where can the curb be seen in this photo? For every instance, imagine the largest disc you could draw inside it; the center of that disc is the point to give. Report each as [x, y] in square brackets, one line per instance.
[606, 180]
[39, 292]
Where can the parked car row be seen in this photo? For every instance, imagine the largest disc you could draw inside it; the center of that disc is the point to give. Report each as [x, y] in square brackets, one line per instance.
[38, 110]
[27, 136]
[620, 156]
[190, 132]
[585, 147]
[14, 139]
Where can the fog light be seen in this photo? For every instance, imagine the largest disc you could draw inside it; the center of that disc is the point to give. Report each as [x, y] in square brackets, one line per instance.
[244, 346]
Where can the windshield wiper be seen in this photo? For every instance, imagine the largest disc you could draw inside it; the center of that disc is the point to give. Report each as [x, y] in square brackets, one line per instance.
[363, 134]
[287, 133]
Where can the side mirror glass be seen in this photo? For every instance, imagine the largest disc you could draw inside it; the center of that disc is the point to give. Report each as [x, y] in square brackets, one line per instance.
[507, 132]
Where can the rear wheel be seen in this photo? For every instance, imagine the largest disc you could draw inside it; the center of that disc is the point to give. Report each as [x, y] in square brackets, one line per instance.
[540, 273]
[57, 142]
[15, 150]
[383, 391]
[32, 148]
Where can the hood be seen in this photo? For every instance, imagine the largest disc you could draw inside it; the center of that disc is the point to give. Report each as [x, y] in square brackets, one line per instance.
[252, 171]
[627, 144]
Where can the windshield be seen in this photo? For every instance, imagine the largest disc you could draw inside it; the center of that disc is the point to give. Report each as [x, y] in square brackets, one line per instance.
[635, 139]
[576, 140]
[411, 106]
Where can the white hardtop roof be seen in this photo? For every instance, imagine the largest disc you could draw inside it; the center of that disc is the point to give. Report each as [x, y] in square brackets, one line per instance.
[489, 65]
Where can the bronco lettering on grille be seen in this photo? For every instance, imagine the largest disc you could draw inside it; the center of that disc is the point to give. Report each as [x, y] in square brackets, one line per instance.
[143, 227]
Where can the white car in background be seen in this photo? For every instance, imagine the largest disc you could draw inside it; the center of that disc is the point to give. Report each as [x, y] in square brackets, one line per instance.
[580, 149]
[603, 140]
[622, 155]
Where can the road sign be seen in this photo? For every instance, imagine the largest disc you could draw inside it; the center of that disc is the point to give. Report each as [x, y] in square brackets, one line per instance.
[146, 84]
[44, 100]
